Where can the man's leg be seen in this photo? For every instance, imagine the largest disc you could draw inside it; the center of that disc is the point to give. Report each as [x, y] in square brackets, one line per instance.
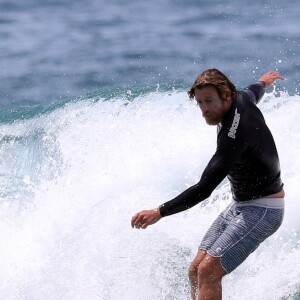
[205, 274]
[193, 273]
[210, 274]
[212, 235]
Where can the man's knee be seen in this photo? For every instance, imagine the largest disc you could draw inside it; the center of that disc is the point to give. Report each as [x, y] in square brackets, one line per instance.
[210, 269]
[193, 268]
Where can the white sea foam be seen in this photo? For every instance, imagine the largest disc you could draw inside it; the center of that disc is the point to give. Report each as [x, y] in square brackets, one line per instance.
[72, 179]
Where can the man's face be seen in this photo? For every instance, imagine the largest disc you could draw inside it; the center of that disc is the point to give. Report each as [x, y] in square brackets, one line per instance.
[212, 106]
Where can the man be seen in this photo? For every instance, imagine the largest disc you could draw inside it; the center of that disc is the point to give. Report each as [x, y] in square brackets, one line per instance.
[247, 155]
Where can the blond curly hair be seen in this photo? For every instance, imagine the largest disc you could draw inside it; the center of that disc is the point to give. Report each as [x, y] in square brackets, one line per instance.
[215, 78]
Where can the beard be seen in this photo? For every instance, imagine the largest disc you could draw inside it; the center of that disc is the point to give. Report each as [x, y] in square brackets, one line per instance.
[212, 120]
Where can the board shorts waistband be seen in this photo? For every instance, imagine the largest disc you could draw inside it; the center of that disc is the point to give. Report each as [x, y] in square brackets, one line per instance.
[262, 202]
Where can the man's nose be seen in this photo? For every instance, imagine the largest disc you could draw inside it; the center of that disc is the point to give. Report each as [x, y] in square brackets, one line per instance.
[204, 107]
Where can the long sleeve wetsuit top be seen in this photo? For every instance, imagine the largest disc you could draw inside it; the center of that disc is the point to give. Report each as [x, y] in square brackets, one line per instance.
[246, 154]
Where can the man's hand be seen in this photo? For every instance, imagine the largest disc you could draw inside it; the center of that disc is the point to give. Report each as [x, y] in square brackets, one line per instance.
[145, 218]
[269, 78]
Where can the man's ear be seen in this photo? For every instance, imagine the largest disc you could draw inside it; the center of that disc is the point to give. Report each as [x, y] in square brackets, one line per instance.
[227, 97]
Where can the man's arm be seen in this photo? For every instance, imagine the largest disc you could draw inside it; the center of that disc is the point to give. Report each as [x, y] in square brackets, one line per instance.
[228, 152]
[212, 176]
[256, 91]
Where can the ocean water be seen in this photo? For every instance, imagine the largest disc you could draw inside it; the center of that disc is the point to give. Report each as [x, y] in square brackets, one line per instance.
[73, 175]
[52, 50]
[95, 125]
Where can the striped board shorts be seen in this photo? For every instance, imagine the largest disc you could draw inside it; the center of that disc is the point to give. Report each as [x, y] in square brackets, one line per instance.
[240, 229]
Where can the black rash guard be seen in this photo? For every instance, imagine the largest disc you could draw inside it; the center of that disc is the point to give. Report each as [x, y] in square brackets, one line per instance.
[246, 154]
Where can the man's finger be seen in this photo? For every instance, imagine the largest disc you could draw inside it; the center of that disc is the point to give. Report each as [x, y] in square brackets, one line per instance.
[144, 226]
[137, 220]
[133, 219]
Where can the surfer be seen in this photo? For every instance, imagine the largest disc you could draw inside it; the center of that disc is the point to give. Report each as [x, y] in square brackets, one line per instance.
[246, 153]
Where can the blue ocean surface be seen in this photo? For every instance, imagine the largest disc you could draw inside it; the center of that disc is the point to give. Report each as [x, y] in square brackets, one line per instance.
[95, 125]
[52, 50]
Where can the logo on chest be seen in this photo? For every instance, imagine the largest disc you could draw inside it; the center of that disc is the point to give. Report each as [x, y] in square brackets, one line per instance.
[235, 124]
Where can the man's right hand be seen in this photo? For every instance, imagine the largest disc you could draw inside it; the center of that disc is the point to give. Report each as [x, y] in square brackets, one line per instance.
[145, 218]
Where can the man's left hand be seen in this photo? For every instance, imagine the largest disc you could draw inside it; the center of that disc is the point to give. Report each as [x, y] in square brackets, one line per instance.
[269, 78]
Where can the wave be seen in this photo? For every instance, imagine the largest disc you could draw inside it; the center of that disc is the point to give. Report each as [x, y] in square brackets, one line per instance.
[73, 173]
